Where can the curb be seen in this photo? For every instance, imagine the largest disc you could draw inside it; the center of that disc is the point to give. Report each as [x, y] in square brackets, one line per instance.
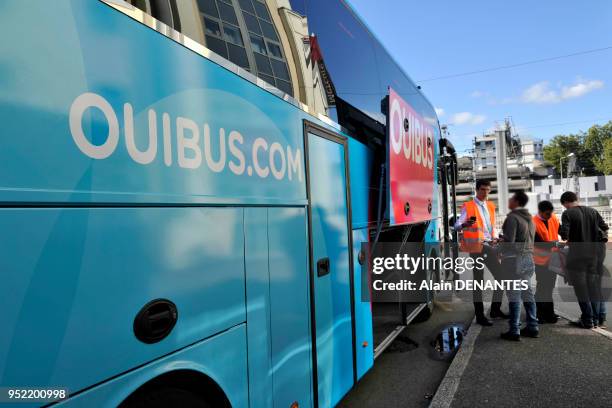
[450, 383]
[603, 332]
[445, 393]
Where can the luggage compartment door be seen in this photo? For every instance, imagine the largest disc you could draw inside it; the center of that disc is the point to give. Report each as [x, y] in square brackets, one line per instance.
[331, 265]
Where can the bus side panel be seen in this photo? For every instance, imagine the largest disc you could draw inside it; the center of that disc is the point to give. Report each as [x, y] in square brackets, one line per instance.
[290, 307]
[332, 285]
[70, 98]
[363, 312]
[222, 358]
[361, 172]
[258, 307]
[73, 281]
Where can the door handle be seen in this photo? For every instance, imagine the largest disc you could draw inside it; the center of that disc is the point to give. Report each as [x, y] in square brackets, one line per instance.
[323, 267]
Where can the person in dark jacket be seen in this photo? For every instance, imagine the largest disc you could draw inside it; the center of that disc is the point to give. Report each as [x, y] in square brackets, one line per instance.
[584, 230]
[517, 262]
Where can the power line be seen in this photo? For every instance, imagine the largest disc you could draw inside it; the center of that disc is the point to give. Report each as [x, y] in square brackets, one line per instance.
[546, 125]
[565, 123]
[520, 64]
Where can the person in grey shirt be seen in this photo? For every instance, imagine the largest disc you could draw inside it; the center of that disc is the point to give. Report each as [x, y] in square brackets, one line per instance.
[516, 247]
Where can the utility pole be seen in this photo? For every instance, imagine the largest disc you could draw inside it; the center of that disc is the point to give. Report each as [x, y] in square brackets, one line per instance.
[501, 137]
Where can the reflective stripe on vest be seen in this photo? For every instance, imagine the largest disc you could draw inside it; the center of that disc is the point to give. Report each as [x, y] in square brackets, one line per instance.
[472, 237]
[541, 256]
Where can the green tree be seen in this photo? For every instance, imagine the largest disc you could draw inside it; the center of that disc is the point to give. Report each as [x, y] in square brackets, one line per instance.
[606, 166]
[561, 145]
[593, 150]
[597, 146]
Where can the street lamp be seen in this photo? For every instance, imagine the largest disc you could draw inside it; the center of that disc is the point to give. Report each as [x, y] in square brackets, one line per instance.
[561, 166]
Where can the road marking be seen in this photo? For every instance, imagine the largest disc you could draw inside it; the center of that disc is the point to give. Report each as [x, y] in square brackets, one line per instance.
[450, 383]
[603, 332]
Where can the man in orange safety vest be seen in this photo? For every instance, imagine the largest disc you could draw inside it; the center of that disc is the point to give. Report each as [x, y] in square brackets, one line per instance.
[477, 226]
[546, 237]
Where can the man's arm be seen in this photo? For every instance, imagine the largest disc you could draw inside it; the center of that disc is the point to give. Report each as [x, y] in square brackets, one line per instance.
[461, 220]
[509, 229]
[564, 229]
[600, 222]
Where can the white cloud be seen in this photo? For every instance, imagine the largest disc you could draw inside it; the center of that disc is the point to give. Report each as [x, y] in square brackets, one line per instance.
[468, 118]
[440, 112]
[580, 88]
[479, 94]
[542, 92]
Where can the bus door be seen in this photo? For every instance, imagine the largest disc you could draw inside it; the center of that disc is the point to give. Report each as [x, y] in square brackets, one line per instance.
[331, 266]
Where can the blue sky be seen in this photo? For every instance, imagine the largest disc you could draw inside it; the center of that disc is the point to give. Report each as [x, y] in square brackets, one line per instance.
[436, 38]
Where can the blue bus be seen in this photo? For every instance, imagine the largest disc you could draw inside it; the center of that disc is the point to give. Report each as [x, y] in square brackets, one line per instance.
[184, 189]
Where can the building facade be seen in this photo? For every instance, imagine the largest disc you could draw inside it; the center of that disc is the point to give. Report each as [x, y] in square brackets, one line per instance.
[594, 191]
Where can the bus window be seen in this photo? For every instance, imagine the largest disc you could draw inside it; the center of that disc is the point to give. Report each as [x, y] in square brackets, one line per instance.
[163, 10]
[246, 33]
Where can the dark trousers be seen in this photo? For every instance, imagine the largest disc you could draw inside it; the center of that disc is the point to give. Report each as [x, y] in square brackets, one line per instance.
[586, 280]
[605, 292]
[492, 263]
[546, 280]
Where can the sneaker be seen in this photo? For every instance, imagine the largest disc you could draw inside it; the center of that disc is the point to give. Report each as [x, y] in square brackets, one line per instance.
[510, 336]
[527, 332]
[602, 324]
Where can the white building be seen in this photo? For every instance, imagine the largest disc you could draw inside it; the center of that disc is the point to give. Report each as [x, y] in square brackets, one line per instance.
[594, 191]
[532, 153]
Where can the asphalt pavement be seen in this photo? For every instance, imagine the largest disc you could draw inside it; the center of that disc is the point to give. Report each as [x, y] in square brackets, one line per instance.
[408, 373]
[565, 367]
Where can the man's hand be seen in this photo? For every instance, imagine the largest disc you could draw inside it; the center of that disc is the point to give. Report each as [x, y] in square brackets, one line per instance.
[468, 223]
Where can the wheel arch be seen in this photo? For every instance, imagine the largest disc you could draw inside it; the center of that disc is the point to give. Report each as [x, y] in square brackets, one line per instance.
[183, 379]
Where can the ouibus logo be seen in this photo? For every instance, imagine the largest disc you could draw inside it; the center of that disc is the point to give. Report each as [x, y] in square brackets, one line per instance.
[410, 134]
[191, 146]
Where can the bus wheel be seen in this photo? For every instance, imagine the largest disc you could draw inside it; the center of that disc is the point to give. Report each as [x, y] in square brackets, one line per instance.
[167, 397]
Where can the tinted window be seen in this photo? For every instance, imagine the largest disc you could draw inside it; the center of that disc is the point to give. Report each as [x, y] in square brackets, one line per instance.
[238, 55]
[266, 78]
[232, 34]
[284, 86]
[246, 5]
[216, 45]
[209, 7]
[251, 23]
[275, 50]
[268, 30]
[348, 52]
[263, 64]
[225, 36]
[280, 69]
[258, 44]
[212, 27]
[261, 10]
[227, 13]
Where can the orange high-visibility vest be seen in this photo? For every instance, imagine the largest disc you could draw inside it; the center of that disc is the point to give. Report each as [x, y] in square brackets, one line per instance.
[472, 237]
[541, 256]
